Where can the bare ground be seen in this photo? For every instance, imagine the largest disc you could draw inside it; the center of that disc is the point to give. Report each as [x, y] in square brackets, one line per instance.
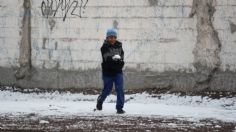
[36, 123]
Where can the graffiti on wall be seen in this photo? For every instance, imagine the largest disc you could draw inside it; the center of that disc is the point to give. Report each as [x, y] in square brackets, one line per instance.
[63, 8]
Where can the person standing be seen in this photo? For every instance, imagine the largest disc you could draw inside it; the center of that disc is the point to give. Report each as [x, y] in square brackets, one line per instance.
[112, 64]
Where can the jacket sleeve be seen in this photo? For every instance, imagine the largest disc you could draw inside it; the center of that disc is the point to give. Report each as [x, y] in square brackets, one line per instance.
[122, 58]
[122, 54]
[105, 58]
[102, 53]
[107, 61]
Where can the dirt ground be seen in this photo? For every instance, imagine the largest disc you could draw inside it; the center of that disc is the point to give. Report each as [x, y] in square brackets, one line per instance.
[36, 123]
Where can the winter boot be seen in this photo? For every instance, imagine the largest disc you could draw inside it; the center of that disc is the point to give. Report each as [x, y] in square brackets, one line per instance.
[99, 105]
[120, 111]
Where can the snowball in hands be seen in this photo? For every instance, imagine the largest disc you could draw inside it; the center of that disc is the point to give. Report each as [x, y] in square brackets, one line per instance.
[116, 57]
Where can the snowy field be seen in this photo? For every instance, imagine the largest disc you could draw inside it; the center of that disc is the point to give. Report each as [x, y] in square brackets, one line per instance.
[164, 106]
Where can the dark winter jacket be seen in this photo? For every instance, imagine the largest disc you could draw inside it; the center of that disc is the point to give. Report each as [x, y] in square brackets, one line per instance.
[110, 66]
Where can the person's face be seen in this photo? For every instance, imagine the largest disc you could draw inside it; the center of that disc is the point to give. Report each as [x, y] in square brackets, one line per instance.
[111, 39]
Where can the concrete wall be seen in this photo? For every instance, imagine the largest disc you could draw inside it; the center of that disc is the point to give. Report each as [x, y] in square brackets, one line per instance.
[181, 45]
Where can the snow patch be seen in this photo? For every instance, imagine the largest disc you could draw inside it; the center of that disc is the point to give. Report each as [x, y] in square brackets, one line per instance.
[43, 122]
[192, 108]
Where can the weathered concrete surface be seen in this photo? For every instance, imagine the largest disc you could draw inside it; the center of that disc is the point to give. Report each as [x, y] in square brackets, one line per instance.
[43, 45]
[25, 45]
[91, 79]
[208, 46]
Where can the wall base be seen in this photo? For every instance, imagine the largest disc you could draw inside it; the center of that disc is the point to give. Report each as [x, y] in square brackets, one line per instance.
[171, 81]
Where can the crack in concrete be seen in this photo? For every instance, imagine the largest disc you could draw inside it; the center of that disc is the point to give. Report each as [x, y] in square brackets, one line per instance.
[25, 46]
[208, 46]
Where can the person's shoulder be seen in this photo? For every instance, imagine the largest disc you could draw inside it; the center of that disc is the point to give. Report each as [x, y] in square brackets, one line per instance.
[119, 43]
[104, 45]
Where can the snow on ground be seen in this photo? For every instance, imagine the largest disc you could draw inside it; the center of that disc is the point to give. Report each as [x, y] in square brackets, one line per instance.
[191, 108]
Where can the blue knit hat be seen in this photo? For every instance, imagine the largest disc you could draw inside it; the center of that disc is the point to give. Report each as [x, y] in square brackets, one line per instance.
[111, 32]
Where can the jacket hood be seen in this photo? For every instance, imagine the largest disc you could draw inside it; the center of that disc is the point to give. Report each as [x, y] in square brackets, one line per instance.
[117, 44]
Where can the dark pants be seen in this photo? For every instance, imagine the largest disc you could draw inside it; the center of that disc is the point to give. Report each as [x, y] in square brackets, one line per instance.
[108, 84]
